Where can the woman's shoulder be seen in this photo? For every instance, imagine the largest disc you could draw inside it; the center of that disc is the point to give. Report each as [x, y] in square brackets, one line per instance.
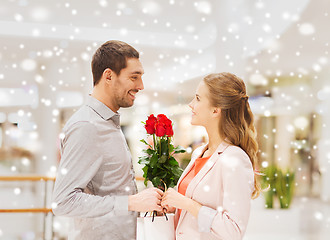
[235, 156]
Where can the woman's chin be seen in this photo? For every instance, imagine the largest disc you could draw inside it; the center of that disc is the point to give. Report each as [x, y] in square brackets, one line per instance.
[192, 122]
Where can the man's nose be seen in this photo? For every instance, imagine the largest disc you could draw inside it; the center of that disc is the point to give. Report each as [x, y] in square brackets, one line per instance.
[140, 85]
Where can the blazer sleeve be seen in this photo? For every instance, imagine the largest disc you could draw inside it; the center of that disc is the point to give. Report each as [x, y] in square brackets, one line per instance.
[230, 220]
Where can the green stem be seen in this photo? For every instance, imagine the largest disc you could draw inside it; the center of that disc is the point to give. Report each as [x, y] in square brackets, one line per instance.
[155, 146]
[160, 147]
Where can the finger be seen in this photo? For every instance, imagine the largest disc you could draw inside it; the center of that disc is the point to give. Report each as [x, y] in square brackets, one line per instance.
[158, 208]
[160, 192]
[164, 203]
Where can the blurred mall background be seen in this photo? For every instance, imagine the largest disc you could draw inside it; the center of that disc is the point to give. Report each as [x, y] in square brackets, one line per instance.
[280, 48]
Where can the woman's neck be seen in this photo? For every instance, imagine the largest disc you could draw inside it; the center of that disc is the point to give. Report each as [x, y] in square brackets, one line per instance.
[214, 139]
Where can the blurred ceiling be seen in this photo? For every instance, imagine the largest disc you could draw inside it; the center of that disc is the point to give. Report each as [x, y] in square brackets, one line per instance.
[50, 43]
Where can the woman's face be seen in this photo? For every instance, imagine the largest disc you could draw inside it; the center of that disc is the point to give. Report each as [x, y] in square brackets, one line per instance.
[200, 106]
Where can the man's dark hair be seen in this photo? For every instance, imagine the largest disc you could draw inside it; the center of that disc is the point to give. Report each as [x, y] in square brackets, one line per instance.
[112, 54]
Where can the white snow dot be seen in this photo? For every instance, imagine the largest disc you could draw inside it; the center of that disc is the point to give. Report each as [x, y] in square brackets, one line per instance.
[264, 164]
[17, 191]
[62, 136]
[28, 65]
[267, 113]
[54, 205]
[318, 216]
[103, 3]
[206, 188]
[26, 162]
[18, 17]
[306, 29]
[53, 169]
[35, 32]
[64, 171]
[220, 209]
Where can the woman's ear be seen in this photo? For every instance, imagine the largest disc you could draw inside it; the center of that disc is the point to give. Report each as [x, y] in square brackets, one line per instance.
[216, 112]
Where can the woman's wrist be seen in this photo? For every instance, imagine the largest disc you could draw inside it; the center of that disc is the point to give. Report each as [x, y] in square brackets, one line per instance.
[193, 207]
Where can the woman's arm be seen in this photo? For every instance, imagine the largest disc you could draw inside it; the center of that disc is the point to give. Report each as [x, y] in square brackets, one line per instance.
[230, 220]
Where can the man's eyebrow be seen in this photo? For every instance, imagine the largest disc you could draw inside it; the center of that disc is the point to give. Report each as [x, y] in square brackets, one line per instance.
[137, 72]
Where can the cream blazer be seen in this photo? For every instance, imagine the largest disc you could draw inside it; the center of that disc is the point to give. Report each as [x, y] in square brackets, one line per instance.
[223, 187]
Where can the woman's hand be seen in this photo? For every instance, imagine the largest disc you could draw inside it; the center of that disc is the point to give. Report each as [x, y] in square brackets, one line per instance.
[173, 199]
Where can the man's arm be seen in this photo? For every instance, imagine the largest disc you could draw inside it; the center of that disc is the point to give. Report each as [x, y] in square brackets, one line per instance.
[80, 161]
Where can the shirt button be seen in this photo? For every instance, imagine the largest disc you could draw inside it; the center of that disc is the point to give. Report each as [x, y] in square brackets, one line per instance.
[118, 126]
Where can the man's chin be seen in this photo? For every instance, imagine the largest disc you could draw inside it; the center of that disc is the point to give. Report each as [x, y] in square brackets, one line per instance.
[127, 105]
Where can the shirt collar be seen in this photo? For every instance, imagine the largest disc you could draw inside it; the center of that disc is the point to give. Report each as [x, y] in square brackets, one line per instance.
[101, 109]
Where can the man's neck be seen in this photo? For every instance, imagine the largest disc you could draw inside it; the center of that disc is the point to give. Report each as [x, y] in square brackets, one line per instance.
[100, 95]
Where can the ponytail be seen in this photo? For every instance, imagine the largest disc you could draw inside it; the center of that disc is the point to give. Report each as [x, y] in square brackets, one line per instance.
[236, 122]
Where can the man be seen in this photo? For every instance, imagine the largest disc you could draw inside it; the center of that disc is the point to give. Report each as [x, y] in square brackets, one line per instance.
[95, 183]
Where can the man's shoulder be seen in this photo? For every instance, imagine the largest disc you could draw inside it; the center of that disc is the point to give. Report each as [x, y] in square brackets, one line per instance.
[83, 116]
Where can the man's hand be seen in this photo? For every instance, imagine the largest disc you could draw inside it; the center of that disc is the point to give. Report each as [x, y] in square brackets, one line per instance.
[146, 201]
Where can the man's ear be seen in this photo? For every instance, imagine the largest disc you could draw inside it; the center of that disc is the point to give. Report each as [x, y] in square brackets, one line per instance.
[107, 75]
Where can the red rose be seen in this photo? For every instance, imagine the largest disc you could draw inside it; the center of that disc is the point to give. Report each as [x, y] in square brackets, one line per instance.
[150, 124]
[160, 129]
[166, 124]
[169, 131]
[161, 117]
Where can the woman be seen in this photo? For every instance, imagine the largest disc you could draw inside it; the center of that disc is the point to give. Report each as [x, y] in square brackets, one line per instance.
[214, 191]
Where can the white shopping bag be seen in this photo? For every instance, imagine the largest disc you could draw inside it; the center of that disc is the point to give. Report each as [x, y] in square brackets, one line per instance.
[160, 228]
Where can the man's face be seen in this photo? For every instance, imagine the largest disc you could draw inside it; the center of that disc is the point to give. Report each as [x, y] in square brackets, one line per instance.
[128, 83]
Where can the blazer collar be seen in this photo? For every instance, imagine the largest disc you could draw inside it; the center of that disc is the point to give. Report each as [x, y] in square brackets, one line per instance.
[199, 151]
[208, 165]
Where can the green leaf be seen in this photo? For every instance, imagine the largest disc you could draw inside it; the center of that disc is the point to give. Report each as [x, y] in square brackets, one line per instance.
[145, 182]
[153, 161]
[155, 181]
[149, 151]
[144, 160]
[145, 171]
[173, 162]
[170, 148]
[162, 159]
[144, 141]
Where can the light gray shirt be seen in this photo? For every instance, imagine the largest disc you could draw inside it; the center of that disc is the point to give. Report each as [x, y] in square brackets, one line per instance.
[95, 175]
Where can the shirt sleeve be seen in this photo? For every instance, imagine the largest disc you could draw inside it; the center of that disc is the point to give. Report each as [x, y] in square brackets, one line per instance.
[230, 220]
[80, 161]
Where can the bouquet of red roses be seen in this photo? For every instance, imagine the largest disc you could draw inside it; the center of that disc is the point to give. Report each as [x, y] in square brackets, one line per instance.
[160, 168]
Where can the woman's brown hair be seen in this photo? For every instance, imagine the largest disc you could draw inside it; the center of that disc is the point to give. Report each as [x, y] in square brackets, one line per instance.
[228, 92]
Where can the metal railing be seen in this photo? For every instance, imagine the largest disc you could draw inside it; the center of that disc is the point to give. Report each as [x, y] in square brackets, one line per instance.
[43, 209]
